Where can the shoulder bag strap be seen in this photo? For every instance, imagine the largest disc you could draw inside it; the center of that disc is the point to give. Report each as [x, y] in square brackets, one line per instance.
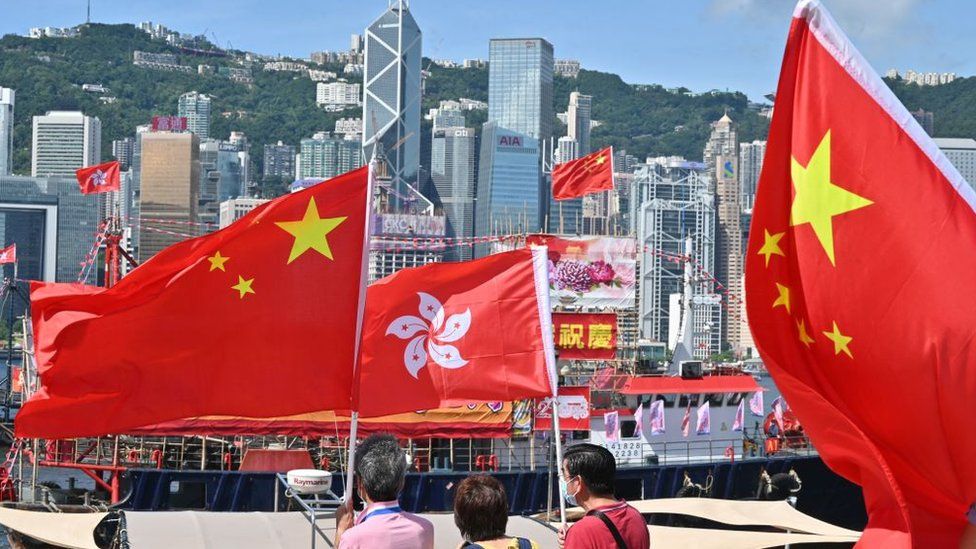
[621, 544]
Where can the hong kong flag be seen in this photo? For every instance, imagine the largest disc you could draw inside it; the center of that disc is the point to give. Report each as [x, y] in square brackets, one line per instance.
[590, 174]
[99, 179]
[258, 319]
[862, 245]
[449, 332]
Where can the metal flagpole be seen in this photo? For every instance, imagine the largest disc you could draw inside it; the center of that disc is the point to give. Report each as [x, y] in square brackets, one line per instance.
[364, 278]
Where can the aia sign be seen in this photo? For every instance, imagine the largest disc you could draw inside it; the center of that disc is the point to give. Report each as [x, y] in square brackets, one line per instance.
[510, 141]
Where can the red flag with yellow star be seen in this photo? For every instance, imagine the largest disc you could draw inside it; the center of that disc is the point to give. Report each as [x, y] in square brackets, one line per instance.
[591, 174]
[863, 236]
[258, 319]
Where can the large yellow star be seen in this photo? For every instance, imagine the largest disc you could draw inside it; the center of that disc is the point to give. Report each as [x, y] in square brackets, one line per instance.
[217, 261]
[840, 341]
[784, 297]
[805, 338]
[818, 200]
[243, 286]
[310, 233]
[770, 245]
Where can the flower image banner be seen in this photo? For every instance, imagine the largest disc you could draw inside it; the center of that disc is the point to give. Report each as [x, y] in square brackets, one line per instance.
[590, 271]
[588, 336]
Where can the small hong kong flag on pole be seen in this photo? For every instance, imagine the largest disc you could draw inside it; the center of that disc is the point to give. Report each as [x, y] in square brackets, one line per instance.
[863, 235]
[591, 174]
[99, 179]
[8, 254]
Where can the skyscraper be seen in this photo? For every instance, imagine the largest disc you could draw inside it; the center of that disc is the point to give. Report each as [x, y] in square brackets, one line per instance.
[520, 107]
[578, 120]
[672, 204]
[65, 141]
[520, 86]
[961, 152]
[508, 183]
[750, 166]
[6, 130]
[196, 108]
[122, 150]
[452, 171]
[391, 93]
[722, 160]
[169, 187]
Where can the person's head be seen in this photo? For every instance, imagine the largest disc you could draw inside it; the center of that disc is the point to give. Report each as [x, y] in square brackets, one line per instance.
[589, 471]
[480, 508]
[380, 468]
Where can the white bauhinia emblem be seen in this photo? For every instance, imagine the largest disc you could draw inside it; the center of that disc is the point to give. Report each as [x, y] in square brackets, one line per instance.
[98, 178]
[430, 335]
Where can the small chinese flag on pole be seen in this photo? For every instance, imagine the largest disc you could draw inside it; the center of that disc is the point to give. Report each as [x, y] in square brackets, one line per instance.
[8, 254]
[591, 174]
[99, 179]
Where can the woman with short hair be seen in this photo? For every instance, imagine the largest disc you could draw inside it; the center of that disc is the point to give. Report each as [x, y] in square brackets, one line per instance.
[481, 514]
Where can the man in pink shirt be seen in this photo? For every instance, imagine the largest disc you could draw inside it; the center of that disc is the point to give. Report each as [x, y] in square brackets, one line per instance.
[381, 466]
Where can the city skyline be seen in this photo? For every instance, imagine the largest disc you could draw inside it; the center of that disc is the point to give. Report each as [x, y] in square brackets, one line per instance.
[676, 50]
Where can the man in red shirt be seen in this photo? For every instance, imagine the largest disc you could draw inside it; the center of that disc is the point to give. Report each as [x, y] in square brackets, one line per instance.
[587, 474]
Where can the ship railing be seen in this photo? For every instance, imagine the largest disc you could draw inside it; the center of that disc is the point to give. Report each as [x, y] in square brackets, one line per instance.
[312, 507]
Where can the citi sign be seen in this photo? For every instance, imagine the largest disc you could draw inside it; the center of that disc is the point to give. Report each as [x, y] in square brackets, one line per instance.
[509, 141]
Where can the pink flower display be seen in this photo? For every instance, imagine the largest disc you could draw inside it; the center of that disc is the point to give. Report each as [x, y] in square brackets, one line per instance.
[601, 272]
[574, 275]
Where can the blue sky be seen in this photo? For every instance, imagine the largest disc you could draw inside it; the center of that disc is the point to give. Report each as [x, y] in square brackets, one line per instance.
[700, 44]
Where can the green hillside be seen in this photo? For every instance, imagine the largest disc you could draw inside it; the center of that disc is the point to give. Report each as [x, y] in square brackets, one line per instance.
[48, 74]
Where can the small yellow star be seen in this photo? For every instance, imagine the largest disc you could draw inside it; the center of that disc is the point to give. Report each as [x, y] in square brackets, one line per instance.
[784, 297]
[840, 341]
[217, 261]
[770, 245]
[310, 232]
[805, 338]
[243, 286]
[817, 200]
[601, 159]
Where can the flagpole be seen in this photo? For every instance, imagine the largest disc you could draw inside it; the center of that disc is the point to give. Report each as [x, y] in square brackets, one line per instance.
[540, 268]
[363, 280]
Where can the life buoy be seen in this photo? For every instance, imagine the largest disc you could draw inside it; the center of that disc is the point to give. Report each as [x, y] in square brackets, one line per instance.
[133, 456]
[157, 458]
[228, 460]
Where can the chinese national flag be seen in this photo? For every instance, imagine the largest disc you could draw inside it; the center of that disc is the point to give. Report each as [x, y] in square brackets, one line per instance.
[444, 333]
[99, 179]
[862, 245]
[258, 319]
[590, 174]
[8, 254]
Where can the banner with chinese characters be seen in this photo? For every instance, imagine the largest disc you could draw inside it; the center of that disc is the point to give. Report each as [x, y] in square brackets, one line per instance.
[591, 336]
[593, 271]
[574, 410]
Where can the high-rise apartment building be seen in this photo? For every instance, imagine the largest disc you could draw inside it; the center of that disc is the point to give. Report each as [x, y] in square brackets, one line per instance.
[391, 93]
[279, 160]
[327, 155]
[337, 96]
[169, 188]
[750, 166]
[448, 118]
[7, 96]
[452, 172]
[196, 108]
[64, 141]
[235, 208]
[578, 120]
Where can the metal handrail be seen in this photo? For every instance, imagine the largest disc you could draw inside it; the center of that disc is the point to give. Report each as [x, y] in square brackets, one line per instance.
[310, 508]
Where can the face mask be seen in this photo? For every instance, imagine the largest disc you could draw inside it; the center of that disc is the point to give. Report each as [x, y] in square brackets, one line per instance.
[564, 492]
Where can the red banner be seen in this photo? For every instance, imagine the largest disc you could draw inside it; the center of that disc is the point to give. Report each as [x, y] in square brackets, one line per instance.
[169, 123]
[585, 335]
[574, 410]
